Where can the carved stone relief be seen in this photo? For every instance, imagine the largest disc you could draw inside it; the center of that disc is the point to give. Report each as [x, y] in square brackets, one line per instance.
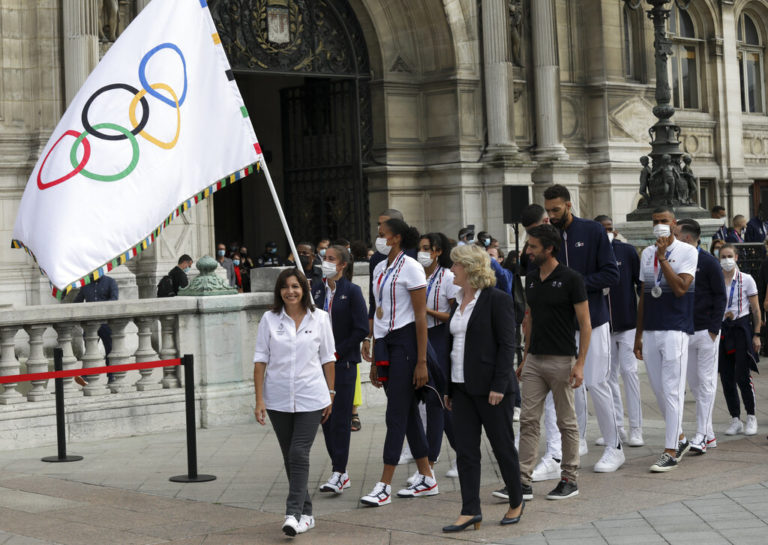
[632, 119]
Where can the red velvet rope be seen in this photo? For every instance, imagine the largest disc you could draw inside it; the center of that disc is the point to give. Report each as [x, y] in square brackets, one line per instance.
[13, 379]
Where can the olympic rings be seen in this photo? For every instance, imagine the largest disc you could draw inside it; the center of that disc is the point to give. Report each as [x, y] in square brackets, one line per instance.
[145, 134]
[108, 177]
[78, 167]
[97, 134]
[139, 96]
[143, 75]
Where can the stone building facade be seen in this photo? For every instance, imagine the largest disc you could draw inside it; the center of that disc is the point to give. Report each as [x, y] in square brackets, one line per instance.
[428, 106]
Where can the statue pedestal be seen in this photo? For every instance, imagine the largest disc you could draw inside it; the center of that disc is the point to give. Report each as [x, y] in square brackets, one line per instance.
[640, 233]
[689, 212]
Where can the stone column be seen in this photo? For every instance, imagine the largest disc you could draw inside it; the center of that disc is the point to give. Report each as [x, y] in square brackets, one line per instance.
[37, 362]
[498, 75]
[80, 20]
[546, 81]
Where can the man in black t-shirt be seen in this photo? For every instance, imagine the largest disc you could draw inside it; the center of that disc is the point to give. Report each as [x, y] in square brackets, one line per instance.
[557, 299]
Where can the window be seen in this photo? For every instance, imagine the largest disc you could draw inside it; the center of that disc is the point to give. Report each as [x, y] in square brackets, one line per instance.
[628, 46]
[751, 69]
[633, 43]
[684, 63]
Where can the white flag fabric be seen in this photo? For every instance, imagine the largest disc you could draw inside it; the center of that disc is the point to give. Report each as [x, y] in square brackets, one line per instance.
[157, 126]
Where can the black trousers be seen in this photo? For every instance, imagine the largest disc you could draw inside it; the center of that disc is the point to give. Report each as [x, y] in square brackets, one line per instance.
[471, 414]
[336, 429]
[735, 376]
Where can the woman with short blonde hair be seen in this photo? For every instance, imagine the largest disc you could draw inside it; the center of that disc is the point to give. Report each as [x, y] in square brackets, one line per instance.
[477, 266]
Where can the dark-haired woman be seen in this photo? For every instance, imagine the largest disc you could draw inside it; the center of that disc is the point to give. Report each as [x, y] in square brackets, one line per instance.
[293, 379]
[400, 355]
[434, 256]
[344, 303]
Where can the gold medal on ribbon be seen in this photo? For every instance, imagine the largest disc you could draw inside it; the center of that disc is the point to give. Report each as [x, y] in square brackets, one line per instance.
[379, 313]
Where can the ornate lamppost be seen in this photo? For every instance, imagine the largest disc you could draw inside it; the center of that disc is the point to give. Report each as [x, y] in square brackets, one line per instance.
[666, 181]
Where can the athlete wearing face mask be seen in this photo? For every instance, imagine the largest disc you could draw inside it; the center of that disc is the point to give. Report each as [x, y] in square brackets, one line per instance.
[313, 271]
[226, 263]
[270, 257]
[176, 278]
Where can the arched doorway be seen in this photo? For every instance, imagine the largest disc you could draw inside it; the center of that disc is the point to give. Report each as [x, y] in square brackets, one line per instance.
[303, 69]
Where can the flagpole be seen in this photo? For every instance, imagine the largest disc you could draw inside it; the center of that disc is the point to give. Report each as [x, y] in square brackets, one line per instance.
[287, 230]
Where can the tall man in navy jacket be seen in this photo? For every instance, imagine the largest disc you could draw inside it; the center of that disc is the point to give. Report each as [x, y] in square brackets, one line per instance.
[586, 249]
[709, 306]
[622, 303]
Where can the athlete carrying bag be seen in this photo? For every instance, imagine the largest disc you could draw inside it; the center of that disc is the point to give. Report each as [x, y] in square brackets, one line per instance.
[165, 287]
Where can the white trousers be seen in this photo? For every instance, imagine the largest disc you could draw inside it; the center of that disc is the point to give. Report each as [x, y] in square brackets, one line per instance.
[597, 371]
[666, 358]
[702, 378]
[623, 361]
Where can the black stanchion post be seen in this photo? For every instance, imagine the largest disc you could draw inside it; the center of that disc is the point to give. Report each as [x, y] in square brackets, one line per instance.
[189, 397]
[61, 432]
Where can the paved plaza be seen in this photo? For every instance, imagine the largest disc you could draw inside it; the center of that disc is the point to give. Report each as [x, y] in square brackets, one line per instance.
[120, 493]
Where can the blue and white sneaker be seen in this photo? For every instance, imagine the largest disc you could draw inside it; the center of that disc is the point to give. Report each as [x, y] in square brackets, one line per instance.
[425, 486]
[380, 495]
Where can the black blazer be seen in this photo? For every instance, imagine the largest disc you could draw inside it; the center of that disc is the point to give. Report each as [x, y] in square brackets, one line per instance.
[349, 318]
[489, 345]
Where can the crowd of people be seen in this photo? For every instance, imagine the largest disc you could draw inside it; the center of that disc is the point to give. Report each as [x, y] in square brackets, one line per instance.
[447, 321]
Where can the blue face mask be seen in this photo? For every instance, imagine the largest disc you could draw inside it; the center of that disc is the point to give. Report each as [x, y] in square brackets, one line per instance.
[486, 242]
[221, 253]
[273, 250]
[236, 262]
[187, 269]
[717, 252]
[321, 252]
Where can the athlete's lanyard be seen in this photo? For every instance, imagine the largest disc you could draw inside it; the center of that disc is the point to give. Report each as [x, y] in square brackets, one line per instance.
[328, 302]
[431, 283]
[565, 239]
[730, 297]
[657, 267]
[389, 271]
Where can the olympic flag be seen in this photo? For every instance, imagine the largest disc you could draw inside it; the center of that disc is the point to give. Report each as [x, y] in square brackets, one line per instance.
[158, 126]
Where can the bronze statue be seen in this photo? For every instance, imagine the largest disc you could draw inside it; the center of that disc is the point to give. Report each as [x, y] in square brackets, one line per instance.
[645, 177]
[692, 183]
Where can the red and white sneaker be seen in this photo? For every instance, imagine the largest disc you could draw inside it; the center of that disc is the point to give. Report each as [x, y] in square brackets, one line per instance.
[699, 445]
[711, 441]
[380, 495]
[306, 523]
[337, 483]
[425, 486]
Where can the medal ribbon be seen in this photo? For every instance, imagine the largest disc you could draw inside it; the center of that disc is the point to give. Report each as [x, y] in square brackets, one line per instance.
[730, 297]
[431, 283]
[328, 302]
[381, 284]
[656, 266]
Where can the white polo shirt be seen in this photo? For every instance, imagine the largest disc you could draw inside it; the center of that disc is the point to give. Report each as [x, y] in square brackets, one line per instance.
[440, 289]
[294, 380]
[738, 291]
[392, 287]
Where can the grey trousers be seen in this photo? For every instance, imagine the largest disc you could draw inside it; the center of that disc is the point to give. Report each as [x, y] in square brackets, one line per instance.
[296, 432]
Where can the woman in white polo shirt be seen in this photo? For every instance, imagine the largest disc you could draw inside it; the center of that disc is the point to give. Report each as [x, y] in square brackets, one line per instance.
[293, 378]
[400, 355]
[739, 342]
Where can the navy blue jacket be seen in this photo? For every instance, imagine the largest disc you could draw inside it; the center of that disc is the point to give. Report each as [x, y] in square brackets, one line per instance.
[348, 318]
[377, 258]
[103, 289]
[755, 231]
[709, 298]
[504, 277]
[622, 299]
[733, 237]
[586, 250]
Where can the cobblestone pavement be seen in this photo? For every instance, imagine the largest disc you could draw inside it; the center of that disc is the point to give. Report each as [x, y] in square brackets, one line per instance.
[120, 493]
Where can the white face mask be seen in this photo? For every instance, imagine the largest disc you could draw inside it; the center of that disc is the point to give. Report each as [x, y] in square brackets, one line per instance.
[329, 269]
[661, 230]
[610, 237]
[425, 258]
[381, 246]
[728, 264]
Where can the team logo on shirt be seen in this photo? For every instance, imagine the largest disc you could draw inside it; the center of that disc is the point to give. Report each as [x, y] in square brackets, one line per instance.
[557, 284]
[579, 244]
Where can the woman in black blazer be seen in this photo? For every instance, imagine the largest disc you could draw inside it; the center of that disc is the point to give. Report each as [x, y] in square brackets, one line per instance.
[344, 302]
[482, 382]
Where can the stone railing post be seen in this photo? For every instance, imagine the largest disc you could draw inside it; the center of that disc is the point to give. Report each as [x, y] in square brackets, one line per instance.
[93, 358]
[119, 355]
[9, 365]
[37, 362]
[169, 351]
[145, 352]
[69, 361]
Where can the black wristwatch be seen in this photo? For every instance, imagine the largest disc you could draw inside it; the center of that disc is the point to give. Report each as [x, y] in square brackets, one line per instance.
[755, 334]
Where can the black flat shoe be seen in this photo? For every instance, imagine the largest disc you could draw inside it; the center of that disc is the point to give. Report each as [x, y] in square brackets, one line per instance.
[476, 520]
[513, 520]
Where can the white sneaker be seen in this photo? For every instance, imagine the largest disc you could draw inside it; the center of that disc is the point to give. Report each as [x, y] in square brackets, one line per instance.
[425, 486]
[337, 483]
[583, 448]
[290, 526]
[380, 495]
[736, 427]
[413, 479]
[698, 445]
[623, 435]
[516, 414]
[711, 441]
[405, 456]
[453, 472]
[306, 523]
[547, 470]
[611, 460]
[751, 427]
[600, 442]
[636, 437]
